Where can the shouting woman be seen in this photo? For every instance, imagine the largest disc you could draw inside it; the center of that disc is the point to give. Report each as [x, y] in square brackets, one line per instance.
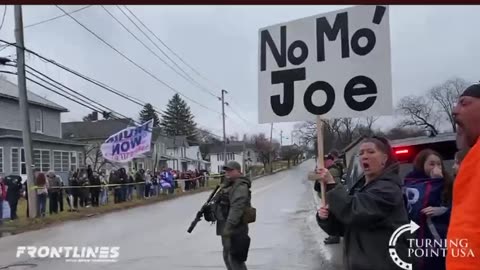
[369, 213]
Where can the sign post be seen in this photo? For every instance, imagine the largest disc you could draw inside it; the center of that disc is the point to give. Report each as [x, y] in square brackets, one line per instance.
[331, 65]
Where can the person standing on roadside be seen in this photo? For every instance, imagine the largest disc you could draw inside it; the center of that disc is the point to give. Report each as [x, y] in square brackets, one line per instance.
[54, 184]
[3, 197]
[464, 221]
[369, 213]
[335, 167]
[14, 190]
[232, 206]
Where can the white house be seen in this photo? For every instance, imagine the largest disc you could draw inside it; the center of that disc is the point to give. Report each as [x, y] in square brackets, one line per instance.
[195, 161]
[240, 152]
[177, 149]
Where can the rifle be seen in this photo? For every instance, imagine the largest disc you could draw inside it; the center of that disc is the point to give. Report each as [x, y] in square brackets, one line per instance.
[200, 213]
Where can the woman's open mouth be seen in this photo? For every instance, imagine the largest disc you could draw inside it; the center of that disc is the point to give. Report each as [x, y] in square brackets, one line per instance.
[365, 166]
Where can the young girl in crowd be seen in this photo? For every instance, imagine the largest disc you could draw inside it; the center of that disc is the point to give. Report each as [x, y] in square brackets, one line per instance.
[367, 214]
[428, 189]
[42, 193]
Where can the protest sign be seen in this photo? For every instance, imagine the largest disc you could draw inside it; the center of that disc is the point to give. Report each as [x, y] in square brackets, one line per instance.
[128, 143]
[335, 65]
[332, 65]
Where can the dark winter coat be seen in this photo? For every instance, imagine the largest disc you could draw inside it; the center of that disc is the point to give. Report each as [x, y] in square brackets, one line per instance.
[233, 199]
[366, 216]
[430, 194]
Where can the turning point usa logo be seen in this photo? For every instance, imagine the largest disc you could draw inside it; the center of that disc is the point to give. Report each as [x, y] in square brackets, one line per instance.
[70, 253]
[427, 248]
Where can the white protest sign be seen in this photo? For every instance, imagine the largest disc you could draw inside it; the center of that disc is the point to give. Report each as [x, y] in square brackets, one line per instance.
[128, 143]
[335, 65]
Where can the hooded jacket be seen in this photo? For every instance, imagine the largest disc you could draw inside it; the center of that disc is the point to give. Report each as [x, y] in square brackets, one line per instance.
[233, 199]
[367, 215]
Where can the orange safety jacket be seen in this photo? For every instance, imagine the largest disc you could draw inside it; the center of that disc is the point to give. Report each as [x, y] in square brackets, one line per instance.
[465, 218]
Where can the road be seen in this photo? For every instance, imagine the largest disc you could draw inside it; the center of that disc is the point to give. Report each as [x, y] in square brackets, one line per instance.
[285, 235]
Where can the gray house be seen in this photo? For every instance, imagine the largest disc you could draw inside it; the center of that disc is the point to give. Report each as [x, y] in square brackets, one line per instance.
[50, 151]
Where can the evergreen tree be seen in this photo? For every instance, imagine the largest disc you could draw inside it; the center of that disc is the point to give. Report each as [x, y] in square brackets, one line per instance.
[178, 120]
[147, 113]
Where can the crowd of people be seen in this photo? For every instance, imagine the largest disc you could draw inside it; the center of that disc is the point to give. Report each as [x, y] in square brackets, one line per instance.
[443, 205]
[87, 188]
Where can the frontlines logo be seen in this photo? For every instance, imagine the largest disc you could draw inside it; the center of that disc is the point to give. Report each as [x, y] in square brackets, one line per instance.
[71, 254]
[427, 248]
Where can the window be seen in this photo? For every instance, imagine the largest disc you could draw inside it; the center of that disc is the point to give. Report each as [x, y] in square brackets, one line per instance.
[23, 164]
[140, 165]
[73, 161]
[38, 122]
[80, 159]
[62, 161]
[41, 160]
[45, 160]
[220, 167]
[57, 161]
[14, 160]
[1, 159]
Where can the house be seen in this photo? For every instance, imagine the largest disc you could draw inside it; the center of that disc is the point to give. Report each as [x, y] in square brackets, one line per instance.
[50, 150]
[195, 160]
[92, 134]
[177, 148]
[241, 152]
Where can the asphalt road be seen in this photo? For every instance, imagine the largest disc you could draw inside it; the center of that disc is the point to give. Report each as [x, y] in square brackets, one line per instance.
[285, 235]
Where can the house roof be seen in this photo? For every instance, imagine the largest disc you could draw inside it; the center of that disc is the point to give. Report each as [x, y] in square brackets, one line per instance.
[17, 134]
[95, 130]
[9, 90]
[234, 147]
[176, 141]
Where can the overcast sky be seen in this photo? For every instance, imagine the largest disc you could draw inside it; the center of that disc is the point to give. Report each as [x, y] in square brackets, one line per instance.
[429, 45]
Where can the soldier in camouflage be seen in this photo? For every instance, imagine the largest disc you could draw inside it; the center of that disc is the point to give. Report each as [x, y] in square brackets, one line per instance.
[233, 199]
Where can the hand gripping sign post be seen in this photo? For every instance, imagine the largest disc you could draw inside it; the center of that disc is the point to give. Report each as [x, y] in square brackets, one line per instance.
[331, 65]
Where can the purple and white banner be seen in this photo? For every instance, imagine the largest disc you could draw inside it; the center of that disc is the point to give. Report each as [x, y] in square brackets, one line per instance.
[128, 143]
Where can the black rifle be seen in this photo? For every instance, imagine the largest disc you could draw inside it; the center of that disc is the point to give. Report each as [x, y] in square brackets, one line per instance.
[200, 213]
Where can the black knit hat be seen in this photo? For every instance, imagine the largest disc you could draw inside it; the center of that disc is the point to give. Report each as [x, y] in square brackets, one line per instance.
[472, 91]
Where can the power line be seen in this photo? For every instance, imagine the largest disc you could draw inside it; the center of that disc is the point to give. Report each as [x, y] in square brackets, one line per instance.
[3, 17]
[54, 91]
[191, 79]
[166, 46]
[56, 17]
[101, 106]
[134, 63]
[148, 48]
[91, 80]
[98, 107]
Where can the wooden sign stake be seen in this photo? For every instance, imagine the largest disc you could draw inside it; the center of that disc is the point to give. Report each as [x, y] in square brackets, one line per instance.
[320, 155]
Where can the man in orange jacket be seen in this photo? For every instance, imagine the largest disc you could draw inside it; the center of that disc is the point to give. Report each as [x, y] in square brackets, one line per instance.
[465, 217]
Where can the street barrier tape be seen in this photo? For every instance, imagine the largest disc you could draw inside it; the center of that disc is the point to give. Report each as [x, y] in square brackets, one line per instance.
[125, 184]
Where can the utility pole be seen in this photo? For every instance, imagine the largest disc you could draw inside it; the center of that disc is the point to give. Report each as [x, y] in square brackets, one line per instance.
[270, 161]
[22, 98]
[281, 137]
[224, 133]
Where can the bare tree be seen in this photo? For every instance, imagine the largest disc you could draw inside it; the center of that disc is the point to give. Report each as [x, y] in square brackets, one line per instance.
[446, 95]
[94, 157]
[419, 112]
[348, 128]
[266, 150]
